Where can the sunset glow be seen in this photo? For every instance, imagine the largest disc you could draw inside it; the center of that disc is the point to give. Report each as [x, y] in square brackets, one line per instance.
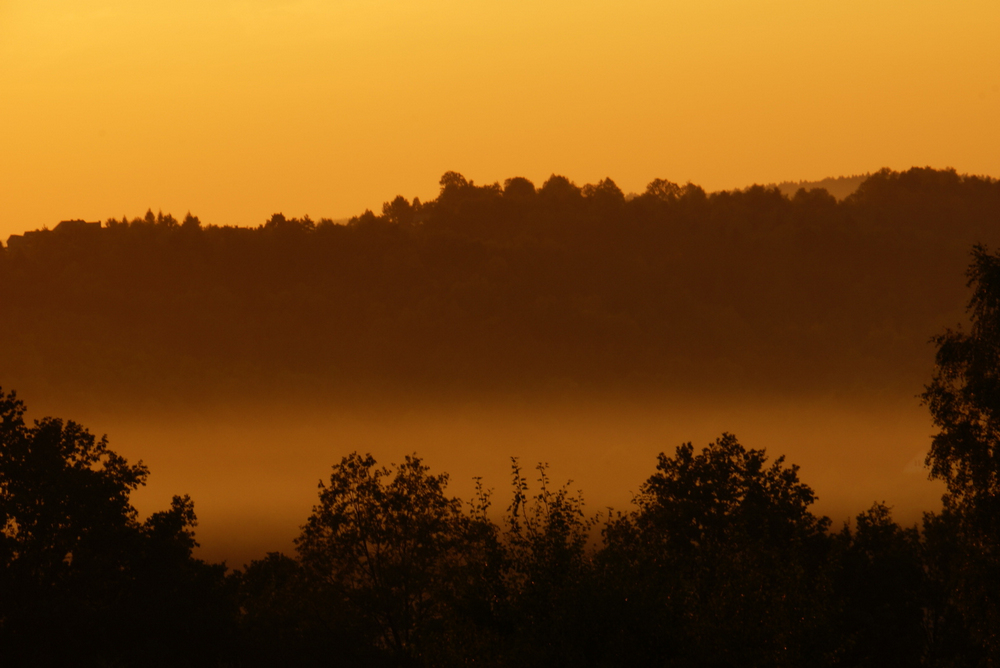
[237, 109]
[499, 333]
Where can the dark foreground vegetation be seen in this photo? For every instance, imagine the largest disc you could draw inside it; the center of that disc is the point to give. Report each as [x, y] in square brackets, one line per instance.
[503, 287]
[719, 563]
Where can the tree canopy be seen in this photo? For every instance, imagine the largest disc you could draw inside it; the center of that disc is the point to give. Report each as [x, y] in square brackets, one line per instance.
[964, 401]
[82, 580]
[512, 287]
[388, 541]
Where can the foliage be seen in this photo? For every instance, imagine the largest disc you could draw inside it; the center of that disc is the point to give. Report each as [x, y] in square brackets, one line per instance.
[549, 573]
[724, 558]
[82, 580]
[285, 619]
[727, 494]
[881, 586]
[964, 401]
[386, 541]
[546, 533]
[63, 496]
[964, 397]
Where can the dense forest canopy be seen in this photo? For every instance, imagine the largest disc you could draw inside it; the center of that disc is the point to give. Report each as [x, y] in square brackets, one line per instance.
[506, 287]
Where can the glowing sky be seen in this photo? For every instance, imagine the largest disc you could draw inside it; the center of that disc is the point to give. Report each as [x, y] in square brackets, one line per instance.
[235, 109]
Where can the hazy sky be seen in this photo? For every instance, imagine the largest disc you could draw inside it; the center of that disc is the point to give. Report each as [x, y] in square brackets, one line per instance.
[235, 109]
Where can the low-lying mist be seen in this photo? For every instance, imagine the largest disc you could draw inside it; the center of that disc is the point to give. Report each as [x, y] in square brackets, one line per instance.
[253, 469]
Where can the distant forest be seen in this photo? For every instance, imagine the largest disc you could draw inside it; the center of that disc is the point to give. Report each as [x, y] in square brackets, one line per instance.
[506, 287]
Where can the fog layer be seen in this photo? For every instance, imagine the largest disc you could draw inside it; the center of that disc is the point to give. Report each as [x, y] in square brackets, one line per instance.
[253, 471]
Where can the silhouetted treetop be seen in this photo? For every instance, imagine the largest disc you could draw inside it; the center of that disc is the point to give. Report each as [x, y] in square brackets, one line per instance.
[706, 496]
[82, 580]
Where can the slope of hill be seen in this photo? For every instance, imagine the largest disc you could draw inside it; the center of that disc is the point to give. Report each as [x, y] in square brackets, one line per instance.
[506, 288]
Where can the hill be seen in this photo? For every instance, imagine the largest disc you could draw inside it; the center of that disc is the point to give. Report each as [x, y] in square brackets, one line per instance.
[506, 288]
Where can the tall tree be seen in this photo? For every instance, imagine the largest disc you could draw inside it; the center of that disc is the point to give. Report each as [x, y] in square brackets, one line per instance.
[66, 529]
[879, 579]
[964, 398]
[387, 541]
[82, 580]
[725, 558]
[964, 401]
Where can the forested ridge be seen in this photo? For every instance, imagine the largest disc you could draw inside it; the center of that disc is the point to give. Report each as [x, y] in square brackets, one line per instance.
[502, 287]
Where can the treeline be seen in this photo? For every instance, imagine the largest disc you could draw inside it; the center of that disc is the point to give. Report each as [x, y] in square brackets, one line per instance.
[721, 561]
[503, 287]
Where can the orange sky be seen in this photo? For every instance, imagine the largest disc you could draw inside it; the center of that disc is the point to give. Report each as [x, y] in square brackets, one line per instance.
[235, 109]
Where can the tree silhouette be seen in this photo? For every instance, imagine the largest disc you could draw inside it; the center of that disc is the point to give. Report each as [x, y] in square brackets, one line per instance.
[724, 558]
[964, 398]
[82, 580]
[285, 619]
[880, 584]
[387, 541]
[519, 189]
[964, 401]
[547, 574]
[67, 531]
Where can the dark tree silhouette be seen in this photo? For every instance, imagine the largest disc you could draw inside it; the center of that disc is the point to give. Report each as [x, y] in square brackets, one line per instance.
[964, 398]
[285, 618]
[881, 589]
[725, 560]
[549, 612]
[388, 542]
[67, 529]
[964, 401]
[82, 580]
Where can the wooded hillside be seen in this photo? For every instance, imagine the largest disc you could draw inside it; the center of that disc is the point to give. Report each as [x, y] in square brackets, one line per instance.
[507, 287]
